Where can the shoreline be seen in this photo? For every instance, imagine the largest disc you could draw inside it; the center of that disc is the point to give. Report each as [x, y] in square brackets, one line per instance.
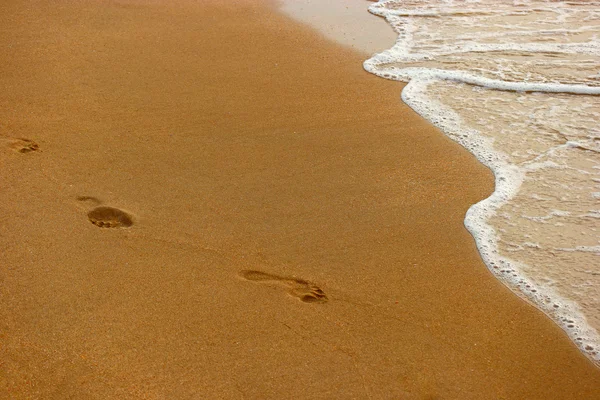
[565, 312]
[574, 315]
[260, 167]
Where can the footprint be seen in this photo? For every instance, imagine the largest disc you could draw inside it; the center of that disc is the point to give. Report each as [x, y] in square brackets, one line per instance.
[24, 145]
[110, 217]
[107, 217]
[299, 288]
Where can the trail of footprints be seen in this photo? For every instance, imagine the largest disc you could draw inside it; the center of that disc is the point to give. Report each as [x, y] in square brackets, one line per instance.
[101, 216]
[111, 217]
[299, 288]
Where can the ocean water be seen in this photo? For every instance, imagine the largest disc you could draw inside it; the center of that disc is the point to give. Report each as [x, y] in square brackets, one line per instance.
[518, 84]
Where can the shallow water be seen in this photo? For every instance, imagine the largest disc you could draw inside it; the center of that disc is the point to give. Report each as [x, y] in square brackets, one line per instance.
[344, 22]
[517, 84]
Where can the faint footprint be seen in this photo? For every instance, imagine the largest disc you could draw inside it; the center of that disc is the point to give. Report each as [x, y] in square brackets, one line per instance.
[303, 290]
[23, 145]
[106, 217]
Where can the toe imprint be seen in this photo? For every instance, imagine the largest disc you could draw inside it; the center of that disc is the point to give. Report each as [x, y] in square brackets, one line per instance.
[309, 294]
[24, 145]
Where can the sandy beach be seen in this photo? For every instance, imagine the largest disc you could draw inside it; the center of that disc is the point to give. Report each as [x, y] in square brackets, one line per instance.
[211, 200]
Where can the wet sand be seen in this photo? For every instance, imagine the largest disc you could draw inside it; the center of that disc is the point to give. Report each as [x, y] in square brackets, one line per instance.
[260, 166]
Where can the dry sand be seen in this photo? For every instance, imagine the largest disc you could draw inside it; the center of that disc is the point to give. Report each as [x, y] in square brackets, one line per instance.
[260, 165]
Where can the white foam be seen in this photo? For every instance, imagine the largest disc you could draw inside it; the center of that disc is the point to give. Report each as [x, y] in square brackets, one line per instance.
[465, 77]
[432, 52]
[508, 179]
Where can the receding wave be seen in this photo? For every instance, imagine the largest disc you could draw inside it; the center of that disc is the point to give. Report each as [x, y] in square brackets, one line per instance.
[517, 84]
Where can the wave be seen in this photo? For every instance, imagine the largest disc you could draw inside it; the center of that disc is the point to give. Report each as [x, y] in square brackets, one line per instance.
[517, 85]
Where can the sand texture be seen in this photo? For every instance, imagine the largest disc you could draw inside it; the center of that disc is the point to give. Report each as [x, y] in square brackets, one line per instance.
[209, 201]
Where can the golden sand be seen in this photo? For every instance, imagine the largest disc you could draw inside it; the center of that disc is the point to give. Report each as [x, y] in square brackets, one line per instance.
[295, 232]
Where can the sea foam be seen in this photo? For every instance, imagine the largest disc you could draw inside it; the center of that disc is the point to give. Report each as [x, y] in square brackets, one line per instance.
[516, 84]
